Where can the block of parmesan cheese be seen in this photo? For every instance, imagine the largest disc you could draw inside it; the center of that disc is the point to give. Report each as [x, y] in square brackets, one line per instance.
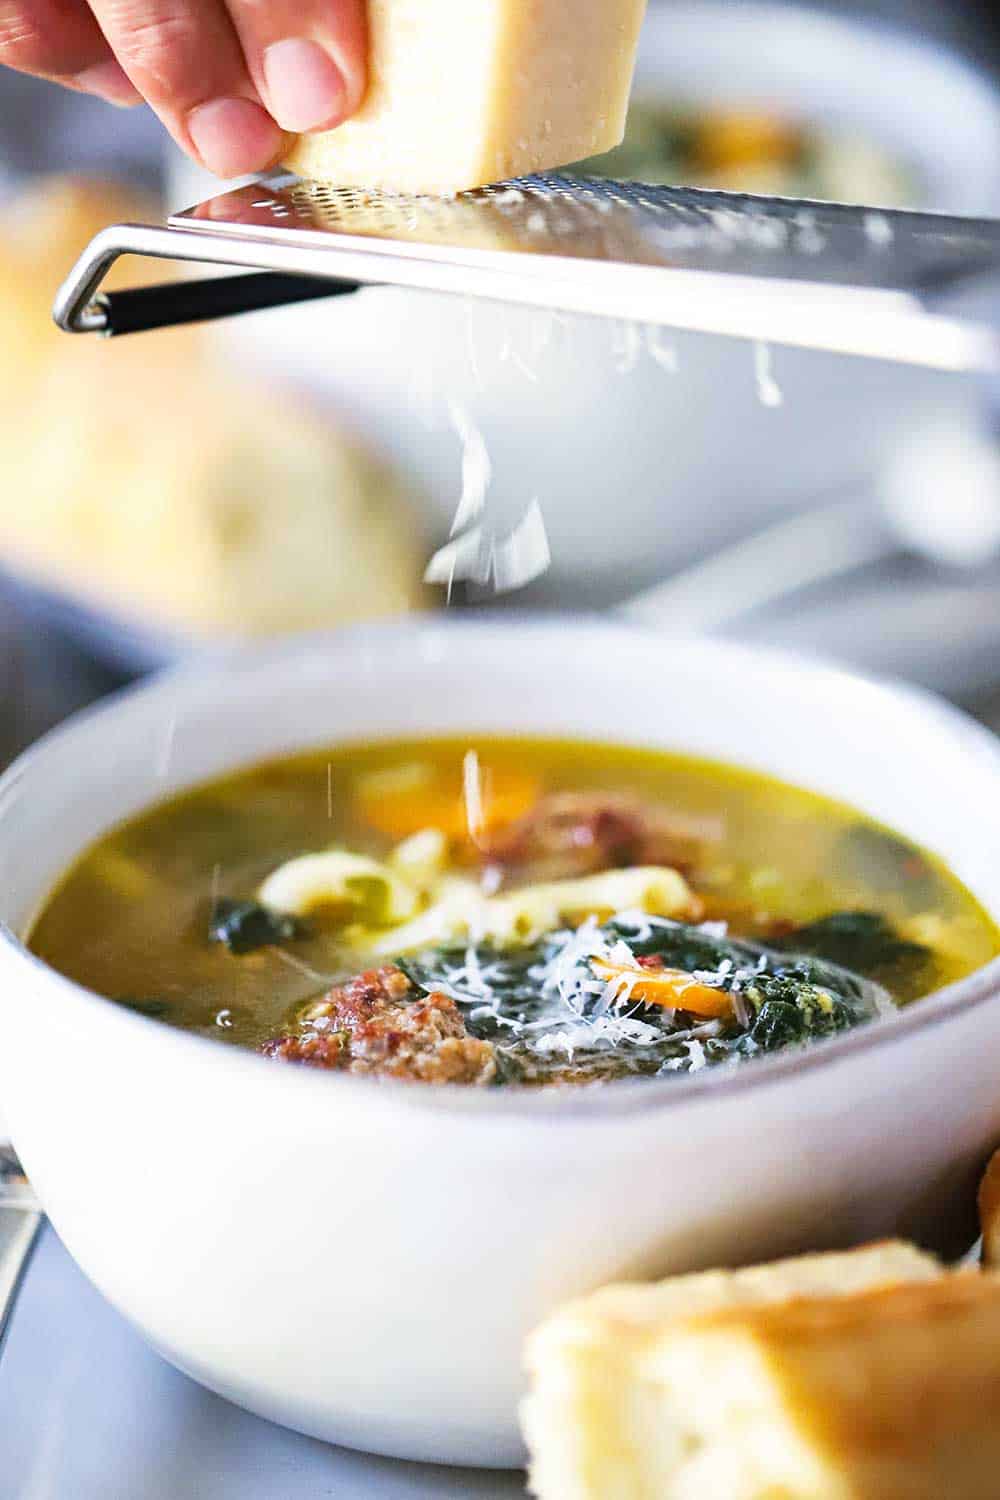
[468, 92]
[869, 1375]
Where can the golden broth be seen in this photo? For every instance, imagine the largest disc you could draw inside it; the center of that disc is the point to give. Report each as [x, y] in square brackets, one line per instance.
[130, 918]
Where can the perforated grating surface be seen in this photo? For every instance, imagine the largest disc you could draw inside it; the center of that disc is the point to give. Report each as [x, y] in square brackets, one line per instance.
[848, 280]
[590, 219]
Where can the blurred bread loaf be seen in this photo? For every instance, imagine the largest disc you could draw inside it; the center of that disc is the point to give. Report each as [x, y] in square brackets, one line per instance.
[869, 1375]
[149, 479]
[44, 228]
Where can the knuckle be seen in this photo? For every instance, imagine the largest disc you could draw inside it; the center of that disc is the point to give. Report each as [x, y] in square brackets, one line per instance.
[156, 47]
[23, 44]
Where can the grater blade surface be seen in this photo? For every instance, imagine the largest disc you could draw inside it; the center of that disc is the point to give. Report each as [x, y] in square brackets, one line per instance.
[599, 222]
[830, 276]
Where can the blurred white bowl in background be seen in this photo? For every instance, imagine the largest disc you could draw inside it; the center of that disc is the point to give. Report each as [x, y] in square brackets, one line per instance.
[640, 466]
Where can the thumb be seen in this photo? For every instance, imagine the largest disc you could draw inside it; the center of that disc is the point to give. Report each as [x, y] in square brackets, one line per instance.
[307, 58]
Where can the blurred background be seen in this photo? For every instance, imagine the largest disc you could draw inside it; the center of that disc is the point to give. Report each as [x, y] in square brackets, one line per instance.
[172, 493]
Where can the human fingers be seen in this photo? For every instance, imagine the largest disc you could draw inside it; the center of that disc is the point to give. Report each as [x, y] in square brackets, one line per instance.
[60, 40]
[307, 58]
[185, 59]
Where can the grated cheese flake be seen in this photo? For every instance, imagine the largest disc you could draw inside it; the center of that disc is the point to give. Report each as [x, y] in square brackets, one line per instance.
[477, 469]
[472, 795]
[769, 391]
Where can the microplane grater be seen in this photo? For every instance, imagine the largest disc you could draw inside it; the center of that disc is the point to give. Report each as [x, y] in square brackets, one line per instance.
[883, 283]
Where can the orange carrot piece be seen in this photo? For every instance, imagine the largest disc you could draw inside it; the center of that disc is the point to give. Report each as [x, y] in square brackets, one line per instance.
[671, 988]
[505, 797]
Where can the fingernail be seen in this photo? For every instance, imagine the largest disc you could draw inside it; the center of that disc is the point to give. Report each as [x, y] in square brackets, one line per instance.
[233, 136]
[109, 81]
[305, 88]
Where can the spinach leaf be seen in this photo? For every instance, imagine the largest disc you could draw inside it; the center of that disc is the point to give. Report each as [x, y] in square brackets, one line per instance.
[863, 941]
[158, 1009]
[780, 999]
[244, 926]
[788, 1012]
[682, 947]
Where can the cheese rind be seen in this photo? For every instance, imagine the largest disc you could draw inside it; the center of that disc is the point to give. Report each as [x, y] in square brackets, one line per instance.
[705, 1387]
[463, 93]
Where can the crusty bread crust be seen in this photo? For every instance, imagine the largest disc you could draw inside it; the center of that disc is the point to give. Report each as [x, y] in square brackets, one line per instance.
[871, 1375]
[895, 1393]
[989, 1212]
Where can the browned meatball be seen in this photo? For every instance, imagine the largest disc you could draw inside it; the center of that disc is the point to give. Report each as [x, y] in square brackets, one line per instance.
[379, 1023]
[579, 833]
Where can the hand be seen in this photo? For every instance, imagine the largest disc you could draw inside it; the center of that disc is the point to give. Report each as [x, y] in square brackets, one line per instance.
[226, 77]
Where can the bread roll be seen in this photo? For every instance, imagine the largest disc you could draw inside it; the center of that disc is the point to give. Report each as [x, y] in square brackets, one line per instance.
[872, 1375]
[989, 1212]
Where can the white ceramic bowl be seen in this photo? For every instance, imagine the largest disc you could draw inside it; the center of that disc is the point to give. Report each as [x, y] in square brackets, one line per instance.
[362, 1261]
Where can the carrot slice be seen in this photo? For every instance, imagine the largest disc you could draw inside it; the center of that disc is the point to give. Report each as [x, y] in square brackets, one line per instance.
[747, 138]
[671, 988]
[433, 802]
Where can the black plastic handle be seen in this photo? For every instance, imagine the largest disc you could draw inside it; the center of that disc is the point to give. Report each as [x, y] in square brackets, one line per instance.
[169, 303]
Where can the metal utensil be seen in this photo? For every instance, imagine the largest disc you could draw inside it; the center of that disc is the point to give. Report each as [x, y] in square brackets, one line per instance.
[900, 514]
[20, 1225]
[825, 276]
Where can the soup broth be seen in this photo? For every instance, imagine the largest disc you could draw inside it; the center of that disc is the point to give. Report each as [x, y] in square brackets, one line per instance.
[561, 912]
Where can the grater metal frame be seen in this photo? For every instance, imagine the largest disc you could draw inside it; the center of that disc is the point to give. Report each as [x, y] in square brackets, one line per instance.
[847, 280]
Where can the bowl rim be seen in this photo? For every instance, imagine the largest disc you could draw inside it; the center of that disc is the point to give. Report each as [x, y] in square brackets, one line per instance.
[580, 1106]
[825, 41]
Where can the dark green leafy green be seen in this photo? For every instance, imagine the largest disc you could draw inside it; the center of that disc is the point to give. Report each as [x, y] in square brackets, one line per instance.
[157, 1009]
[780, 999]
[865, 942]
[244, 926]
[787, 1013]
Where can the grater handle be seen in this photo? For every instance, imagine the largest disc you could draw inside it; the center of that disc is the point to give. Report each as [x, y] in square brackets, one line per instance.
[840, 291]
[81, 307]
[169, 303]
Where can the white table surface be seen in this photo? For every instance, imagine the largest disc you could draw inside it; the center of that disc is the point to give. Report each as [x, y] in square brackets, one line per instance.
[89, 1412]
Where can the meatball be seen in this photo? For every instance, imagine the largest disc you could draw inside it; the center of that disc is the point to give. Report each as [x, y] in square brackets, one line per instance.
[571, 834]
[380, 1023]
